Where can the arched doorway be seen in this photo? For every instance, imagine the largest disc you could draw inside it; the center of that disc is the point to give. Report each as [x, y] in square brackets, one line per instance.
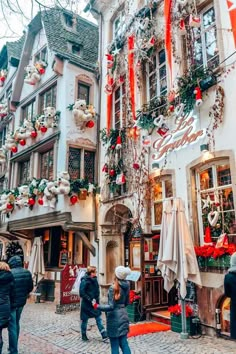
[116, 232]
[223, 307]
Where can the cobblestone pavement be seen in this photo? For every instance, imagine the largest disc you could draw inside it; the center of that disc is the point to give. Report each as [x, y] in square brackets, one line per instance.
[44, 332]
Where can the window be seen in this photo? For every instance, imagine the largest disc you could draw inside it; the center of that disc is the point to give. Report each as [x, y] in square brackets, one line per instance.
[204, 40]
[68, 20]
[24, 172]
[83, 92]
[2, 137]
[41, 56]
[48, 98]
[215, 199]
[162, 189]
[119, 24]
[77, 49]
[81, 164]
[28, 111]
[156, 71]
[120, 106]
[47, 165]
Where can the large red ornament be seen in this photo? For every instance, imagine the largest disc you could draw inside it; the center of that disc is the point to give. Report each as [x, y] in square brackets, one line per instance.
[136, 166]
[73, 199]
[112, 173]
[22, 142]
[33, 134]
[14, 149]
[31, 201]
[41, 71]
[43, 129]
[2, 78]
[90, 124]
[9, 206]
[40, 201]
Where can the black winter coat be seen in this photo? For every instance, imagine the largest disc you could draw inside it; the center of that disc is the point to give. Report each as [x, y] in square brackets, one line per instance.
[117, 317]
[230, 291]
[23, 281]
[89, 290]
[6, 296]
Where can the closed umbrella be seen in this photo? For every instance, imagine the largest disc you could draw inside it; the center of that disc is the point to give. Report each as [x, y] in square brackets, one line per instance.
[178, 253]
[36, 262]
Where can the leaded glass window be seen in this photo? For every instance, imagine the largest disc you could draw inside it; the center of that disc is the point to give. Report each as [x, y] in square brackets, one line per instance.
[89, 168]
[74, 163]
[47, 165]
[83, 92]
[28, 111]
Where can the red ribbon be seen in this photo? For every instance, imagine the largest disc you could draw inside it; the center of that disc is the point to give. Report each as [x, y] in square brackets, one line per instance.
[109, 105]
[232, 15]
[131, 74]
[167, 13]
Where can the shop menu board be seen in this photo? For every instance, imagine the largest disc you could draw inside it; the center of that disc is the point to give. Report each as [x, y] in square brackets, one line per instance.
[68, 277]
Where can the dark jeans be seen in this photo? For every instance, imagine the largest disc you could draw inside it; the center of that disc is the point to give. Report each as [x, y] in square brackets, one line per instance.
[14, 330]
[121, 342]
[98, 319]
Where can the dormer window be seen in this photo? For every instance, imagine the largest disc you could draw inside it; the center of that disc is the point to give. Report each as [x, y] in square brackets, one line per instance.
[77, 49]
[68, 20]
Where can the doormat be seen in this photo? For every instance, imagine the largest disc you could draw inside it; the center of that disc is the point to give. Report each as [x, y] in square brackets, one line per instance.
[144, 328]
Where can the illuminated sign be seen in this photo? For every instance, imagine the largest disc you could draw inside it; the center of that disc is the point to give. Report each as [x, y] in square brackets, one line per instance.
[183, 134]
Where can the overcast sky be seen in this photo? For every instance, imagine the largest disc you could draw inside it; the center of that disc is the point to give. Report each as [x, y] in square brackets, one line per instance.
[14, 19]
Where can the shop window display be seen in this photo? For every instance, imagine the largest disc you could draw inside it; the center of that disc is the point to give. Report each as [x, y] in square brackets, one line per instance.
[216, 212]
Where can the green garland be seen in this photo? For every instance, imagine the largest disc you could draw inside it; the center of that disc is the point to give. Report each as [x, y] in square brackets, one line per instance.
[150, 111]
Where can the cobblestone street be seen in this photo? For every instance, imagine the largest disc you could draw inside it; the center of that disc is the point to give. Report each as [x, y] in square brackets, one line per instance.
[44, 332]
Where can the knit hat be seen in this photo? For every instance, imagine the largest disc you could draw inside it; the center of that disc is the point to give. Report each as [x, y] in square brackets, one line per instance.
[122, 272]
[233, 263]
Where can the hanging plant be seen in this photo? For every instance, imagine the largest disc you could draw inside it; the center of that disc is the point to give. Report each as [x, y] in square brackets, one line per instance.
[151, 110]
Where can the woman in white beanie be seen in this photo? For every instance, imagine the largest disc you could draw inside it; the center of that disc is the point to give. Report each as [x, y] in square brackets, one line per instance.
[230, 291]
[117, 317]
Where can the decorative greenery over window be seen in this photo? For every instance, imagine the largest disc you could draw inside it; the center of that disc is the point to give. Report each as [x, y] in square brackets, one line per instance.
[195, 76]
[150, 111]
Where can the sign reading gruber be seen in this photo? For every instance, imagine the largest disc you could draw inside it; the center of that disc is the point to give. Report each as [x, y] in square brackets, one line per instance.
[68, 277]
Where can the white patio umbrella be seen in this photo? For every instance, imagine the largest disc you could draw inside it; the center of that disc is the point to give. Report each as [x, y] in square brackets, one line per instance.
[167, 274]
[36, 262]
[178, 254]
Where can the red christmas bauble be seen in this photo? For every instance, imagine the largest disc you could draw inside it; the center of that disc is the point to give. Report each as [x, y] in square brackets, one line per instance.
[40, 201]
[43, 129]
[33, 134]
[73, 199]
[9, 206]
[2, 78]
[41, 71]
[136, 166]
[90, 124]
[31, 201]
[22, 142]
[113, 147]
[112, 173]
[14, 149]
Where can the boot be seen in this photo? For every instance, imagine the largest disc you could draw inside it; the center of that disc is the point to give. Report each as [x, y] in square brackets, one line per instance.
[84, 337]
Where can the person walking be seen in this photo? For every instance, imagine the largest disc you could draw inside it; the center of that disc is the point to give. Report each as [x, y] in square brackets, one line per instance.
[230, 291]
[89, 292]
[23, 286]
[6, 297]
[117, 317]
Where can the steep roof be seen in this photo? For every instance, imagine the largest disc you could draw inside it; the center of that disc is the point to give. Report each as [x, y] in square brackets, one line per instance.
[60, 37]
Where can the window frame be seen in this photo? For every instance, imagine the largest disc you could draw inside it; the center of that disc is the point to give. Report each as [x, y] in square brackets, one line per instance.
[211, 190]
[156, 72]
[42, 104]
[161, 179]
[86, 86]
[40, 56]
[119, 123]
[81, 174]
[203, 30]
[116, 32]
[21, 180]
[31, 104]
[49, 151]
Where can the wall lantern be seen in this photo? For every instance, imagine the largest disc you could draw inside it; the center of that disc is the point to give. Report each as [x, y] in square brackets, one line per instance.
[155, 166]
[204, 148]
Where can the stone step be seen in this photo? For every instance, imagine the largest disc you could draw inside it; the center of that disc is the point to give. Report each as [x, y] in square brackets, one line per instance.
[161, 316]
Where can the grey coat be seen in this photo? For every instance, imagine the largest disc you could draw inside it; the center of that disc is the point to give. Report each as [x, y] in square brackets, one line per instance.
[117, 317]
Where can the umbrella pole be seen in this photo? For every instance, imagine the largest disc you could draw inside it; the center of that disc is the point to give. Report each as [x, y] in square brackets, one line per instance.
[184, 333]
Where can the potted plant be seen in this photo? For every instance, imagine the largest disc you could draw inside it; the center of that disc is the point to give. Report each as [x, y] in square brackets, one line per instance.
[176, 320]
[133, 308]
